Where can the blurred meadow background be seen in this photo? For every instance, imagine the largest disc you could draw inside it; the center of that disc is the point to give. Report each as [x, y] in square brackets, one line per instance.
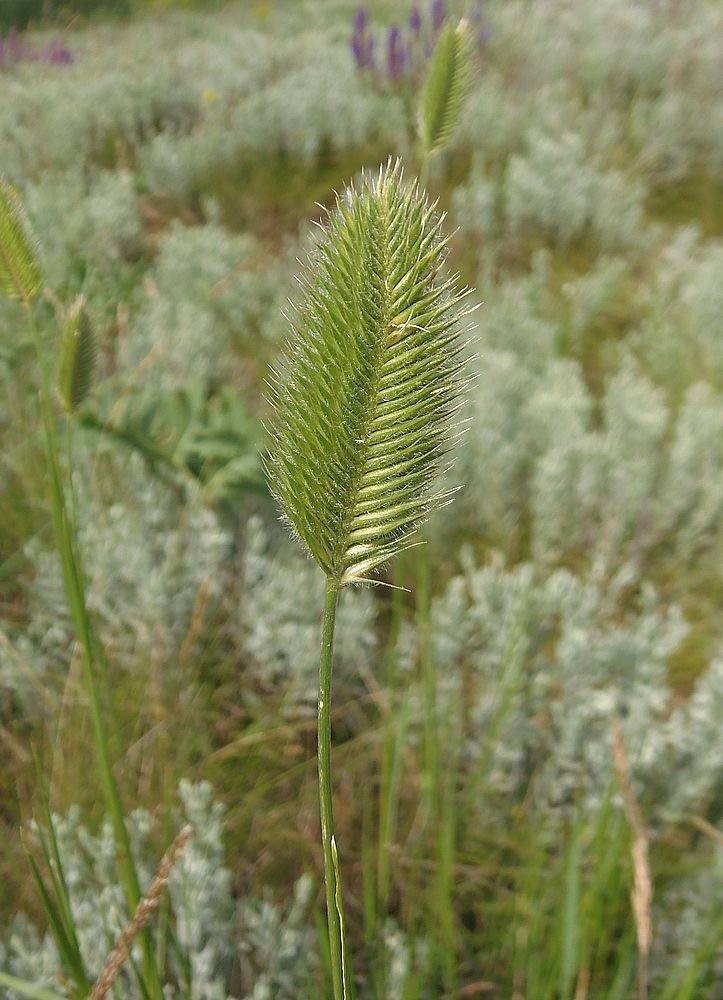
[173, 158]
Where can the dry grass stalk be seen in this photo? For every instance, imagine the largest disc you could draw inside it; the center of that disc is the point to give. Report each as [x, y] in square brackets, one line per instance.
[144, 911]
[708, 829]
[642, 894]
[583, 983]
[197, 619]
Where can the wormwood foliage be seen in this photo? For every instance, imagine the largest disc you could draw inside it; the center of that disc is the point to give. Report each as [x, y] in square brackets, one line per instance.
[366, 391]
[19, 270]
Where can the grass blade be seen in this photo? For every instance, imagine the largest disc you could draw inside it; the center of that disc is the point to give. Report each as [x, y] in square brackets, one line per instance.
[26, 989]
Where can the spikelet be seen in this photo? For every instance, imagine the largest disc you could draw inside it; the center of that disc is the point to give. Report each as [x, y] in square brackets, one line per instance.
[77, 357]
[19, 268]
[366, 393]
[446, 87]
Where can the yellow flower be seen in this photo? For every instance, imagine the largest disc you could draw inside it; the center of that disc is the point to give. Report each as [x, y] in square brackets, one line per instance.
[209, 96]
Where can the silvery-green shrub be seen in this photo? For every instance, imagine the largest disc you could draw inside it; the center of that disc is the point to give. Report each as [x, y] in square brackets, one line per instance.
[679, 338]
[208, 293]
[273, 946]
[145, 558]
[276, 625]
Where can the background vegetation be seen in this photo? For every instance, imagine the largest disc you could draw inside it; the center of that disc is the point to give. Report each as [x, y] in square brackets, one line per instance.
[172, 166]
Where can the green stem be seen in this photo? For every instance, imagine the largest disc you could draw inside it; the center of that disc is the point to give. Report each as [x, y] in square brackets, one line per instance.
[392, 762]
[429, 682]
[425, 159]
[338, 953]
[66, 541]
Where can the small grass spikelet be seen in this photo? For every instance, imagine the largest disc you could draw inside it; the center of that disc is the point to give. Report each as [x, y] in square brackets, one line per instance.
[77, 357]
[446, 87]
[19, 268]
[365, 396]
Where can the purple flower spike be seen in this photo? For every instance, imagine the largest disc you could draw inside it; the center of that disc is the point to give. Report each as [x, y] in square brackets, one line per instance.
[415, 20]
[361, 20]
[396, 56]
[14, 49]
[439, 13]
[57, 55]
[362, 47]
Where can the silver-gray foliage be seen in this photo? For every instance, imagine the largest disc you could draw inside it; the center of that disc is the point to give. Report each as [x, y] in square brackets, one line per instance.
[277, 623]
[537, 667]
[145, 556]
[271, 947]
[208, 293]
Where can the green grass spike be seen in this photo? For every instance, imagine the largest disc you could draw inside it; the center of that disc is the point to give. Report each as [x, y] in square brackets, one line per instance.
[446, 87]
[365, 397]
[77, 357]
[19, 268]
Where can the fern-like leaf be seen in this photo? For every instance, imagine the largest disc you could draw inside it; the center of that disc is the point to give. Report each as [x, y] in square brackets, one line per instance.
[77, 357]
[446, 87]
[365, 394]
[19, 267]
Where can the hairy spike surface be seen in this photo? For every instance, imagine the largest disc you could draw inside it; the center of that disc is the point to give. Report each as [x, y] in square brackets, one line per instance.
[77, 357]
[19, 268]
[366, 391]
[446, 87]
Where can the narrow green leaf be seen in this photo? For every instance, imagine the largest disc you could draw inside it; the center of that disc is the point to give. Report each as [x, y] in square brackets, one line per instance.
[19, 267]
[26, 989]
[365, 396]
[70, 958]
[570, 936]
[61, 897]
[446, 87]
[683, 979]
[77, 357]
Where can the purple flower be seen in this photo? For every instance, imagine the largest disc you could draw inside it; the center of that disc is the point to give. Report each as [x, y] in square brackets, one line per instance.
[396, 54]
[415, 20]
[361, 20]
[439, 13]
[362, 44]
[357, 49]
[14, 49]
[362, 47]
[58, 55]
[481, 25]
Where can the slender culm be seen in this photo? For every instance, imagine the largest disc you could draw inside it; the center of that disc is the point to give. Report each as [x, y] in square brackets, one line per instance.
[364, 406]
[21, 279]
